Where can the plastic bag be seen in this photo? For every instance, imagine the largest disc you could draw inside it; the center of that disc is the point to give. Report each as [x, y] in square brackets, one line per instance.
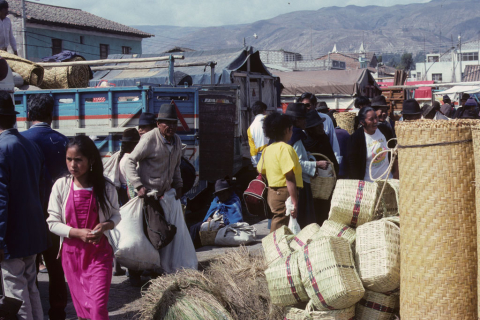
[236, 234]
[133, 249]
[292, 224]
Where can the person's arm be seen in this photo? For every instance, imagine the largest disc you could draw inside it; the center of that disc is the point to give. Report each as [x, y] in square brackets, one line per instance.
[4, 198]
[177, 182]
[13, 42]
[292, 191]
[253, 148]
[140, 152]
[55, 210]
[307, 166]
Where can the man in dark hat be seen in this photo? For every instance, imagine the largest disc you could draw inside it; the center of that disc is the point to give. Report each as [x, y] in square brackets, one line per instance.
[411, 110]
[23, 232]
[461, 110]
[469, 110]
[53, 146]
[146, 123]
[447, 108]
[432, 112]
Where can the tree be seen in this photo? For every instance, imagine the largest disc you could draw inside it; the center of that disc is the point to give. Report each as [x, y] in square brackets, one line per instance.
[406, 61]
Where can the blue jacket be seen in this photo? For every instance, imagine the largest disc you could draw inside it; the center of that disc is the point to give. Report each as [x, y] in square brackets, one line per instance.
[23, 231]
[231, 210]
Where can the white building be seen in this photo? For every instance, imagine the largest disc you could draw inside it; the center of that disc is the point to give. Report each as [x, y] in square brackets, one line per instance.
[449, 66]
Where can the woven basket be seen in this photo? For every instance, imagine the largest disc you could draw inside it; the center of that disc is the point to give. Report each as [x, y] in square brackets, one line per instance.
[346, 120]
[377, 255]
[207, 238]
[377, 306]
[334, 229]
[476, 151]
[284, 281]
[437, 210]
[299, 314]
[31, 73]
[353, 202]
[322, 187]
[275, 245]
[389, 200]
[303, 236]
[329, 275]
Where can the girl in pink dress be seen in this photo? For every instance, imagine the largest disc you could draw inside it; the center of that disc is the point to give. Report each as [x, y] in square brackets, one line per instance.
[83, 207]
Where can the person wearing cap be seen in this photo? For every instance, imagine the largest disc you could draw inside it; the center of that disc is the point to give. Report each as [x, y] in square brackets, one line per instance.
[306, 210]
[380, 105]
[432, 112]
[53, 146]
[310, 101]
[360, 103]
[447, 108]
[23, 232]
[322, 107]
[6, 31]
[130, 138]
[469, 110]
[459, 113]
[317, 142]
[411, 110]
[256, 137]
[146, 123]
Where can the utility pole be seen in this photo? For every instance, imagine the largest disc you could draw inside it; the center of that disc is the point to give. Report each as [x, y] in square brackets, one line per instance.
[461, 58]
[24, 29]
[424, 60]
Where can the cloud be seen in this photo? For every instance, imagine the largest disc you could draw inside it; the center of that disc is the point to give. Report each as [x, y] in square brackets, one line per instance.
[204, 13]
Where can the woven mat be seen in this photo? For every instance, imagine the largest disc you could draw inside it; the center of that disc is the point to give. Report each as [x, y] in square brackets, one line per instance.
[66, 77]
[31, 72]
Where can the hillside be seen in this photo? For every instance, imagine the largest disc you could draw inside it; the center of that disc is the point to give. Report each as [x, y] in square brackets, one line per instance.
[397, 28]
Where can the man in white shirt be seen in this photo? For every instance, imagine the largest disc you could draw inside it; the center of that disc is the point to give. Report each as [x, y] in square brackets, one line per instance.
[256, 137]
[6, 30]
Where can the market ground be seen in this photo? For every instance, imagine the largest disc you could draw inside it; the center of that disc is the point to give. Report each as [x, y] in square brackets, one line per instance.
[124, 300]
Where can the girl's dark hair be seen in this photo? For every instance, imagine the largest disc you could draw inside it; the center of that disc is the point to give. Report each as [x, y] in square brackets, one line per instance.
[362, 114]
[87, 148]
[309, 96]
[275, 124]
[361, 101]
[126, 147]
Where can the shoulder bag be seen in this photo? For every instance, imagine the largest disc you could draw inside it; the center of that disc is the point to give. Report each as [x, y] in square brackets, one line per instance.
[255, 196]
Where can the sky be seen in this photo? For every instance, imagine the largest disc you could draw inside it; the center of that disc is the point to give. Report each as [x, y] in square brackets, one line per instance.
[203, 13]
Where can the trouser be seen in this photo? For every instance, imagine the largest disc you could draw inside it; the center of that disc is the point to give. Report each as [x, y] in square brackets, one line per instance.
[57, 288]
[276, 200]
[19, 280]
[305, 207]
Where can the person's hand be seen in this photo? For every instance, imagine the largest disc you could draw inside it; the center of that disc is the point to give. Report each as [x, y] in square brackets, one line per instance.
[322, 164]
[293, 213]
[81, 234]
[97, 233]
[142, 192]
[209, 219]
[179, 193]
[2, 255]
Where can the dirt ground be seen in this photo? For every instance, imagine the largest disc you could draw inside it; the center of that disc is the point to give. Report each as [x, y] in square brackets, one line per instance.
[124, 301]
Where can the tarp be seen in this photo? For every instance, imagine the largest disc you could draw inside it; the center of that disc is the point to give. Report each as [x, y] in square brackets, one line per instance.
[420, 93]
[334, 82]
[228, 61]
[460, 89]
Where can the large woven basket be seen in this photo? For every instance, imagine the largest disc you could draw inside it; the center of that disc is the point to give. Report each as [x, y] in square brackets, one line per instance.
[334, 229]
[377, 255]
[438, 220]
[389, 200]
[299, 314]
[303, 236]
[276, 244]
[284, 281]
[476, 152]
[207, 238]
[322, 187]
[31, 72]
[353, 202]
[329, 274]
[377, 306]
[346, 120]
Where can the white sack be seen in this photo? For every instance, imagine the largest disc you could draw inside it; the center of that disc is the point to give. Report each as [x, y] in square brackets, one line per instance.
[293, 223]
[236, 234]
[111, 169]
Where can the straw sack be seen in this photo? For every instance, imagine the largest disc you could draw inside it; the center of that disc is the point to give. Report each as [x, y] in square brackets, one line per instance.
[66, 77]
[353, 202]
[377, 255]
[299, 314]
[284, 281]
[31, 72]
[437, 209]
[334, 229]
[207, 238]
[303, 236]
[389, 199]
[275, 245]
[328, 274]
[377, 306]
[346, 120]
[476, 152]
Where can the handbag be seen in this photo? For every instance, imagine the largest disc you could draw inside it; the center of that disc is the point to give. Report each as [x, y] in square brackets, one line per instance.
[236, 234]
[9, 307]
[255, 196]
[159, 231]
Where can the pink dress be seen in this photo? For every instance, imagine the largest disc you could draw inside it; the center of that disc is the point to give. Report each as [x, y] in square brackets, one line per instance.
[88, 267]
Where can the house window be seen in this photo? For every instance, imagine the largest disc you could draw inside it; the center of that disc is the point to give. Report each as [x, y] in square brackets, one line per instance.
[56, 46]
[419, 75]
[126, 50]
[81, 40]
[436, 76]
[433, 58]
[104, 49]
[470, 56]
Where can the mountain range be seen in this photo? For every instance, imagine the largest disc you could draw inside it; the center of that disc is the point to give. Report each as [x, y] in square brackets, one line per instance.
[433, 26]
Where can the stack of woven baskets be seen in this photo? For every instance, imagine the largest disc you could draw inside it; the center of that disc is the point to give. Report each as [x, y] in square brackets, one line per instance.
[349, 267]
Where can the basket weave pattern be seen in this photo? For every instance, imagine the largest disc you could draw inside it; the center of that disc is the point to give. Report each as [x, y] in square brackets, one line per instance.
[346, 120]
[437, 211]
[322, 187]
[299, 314]
[334, 229]
[303, 236]
[377, 255]
[389, 200]
[275, 245]
[376, 306]
[66, 77]
[476, 150]
[31, 73]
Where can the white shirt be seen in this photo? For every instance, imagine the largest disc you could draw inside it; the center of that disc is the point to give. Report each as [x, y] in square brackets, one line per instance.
[6, 34]
[121, 167]
[256, 138]
[376, 143]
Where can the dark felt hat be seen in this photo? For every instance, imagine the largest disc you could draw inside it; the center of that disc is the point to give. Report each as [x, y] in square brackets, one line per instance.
[411, 106]
[221, 185]
[130, 135]
[167, 112]
[379, 102]
[147, 119]
[426, 109]
[313, 119]
[446, 98]
[465, 96]
[322, 107]
[297, 110]
[7, 108]
[471, 103]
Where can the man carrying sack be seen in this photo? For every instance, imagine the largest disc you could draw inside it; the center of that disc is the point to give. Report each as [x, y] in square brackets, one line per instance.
[158, 156]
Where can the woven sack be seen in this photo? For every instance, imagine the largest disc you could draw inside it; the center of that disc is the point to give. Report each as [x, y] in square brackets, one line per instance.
[207, 238]
[334, 229]
[275, 245]
[329, 275]
[377, 255]
[353, 202]
[284, 281]
[389, 200]
[377, 306]
[322, 187]
[346, 120]
[31, 72]
[303, 236]
[310, 314]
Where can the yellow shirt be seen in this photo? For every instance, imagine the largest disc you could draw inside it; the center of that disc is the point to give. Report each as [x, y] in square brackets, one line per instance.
[280, 158]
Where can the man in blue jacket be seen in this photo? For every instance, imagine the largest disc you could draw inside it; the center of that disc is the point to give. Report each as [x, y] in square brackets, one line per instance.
[53, 146]
[23, 233]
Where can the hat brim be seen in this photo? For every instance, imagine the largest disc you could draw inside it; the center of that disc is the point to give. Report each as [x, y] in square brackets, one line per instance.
[315, 124]
[412, 113]
[168, 119]
[292, 114]
[9, 113]
[380, 106]
[217, 191]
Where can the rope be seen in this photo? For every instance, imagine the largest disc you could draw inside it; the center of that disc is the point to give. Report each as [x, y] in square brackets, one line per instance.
[434, 144]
